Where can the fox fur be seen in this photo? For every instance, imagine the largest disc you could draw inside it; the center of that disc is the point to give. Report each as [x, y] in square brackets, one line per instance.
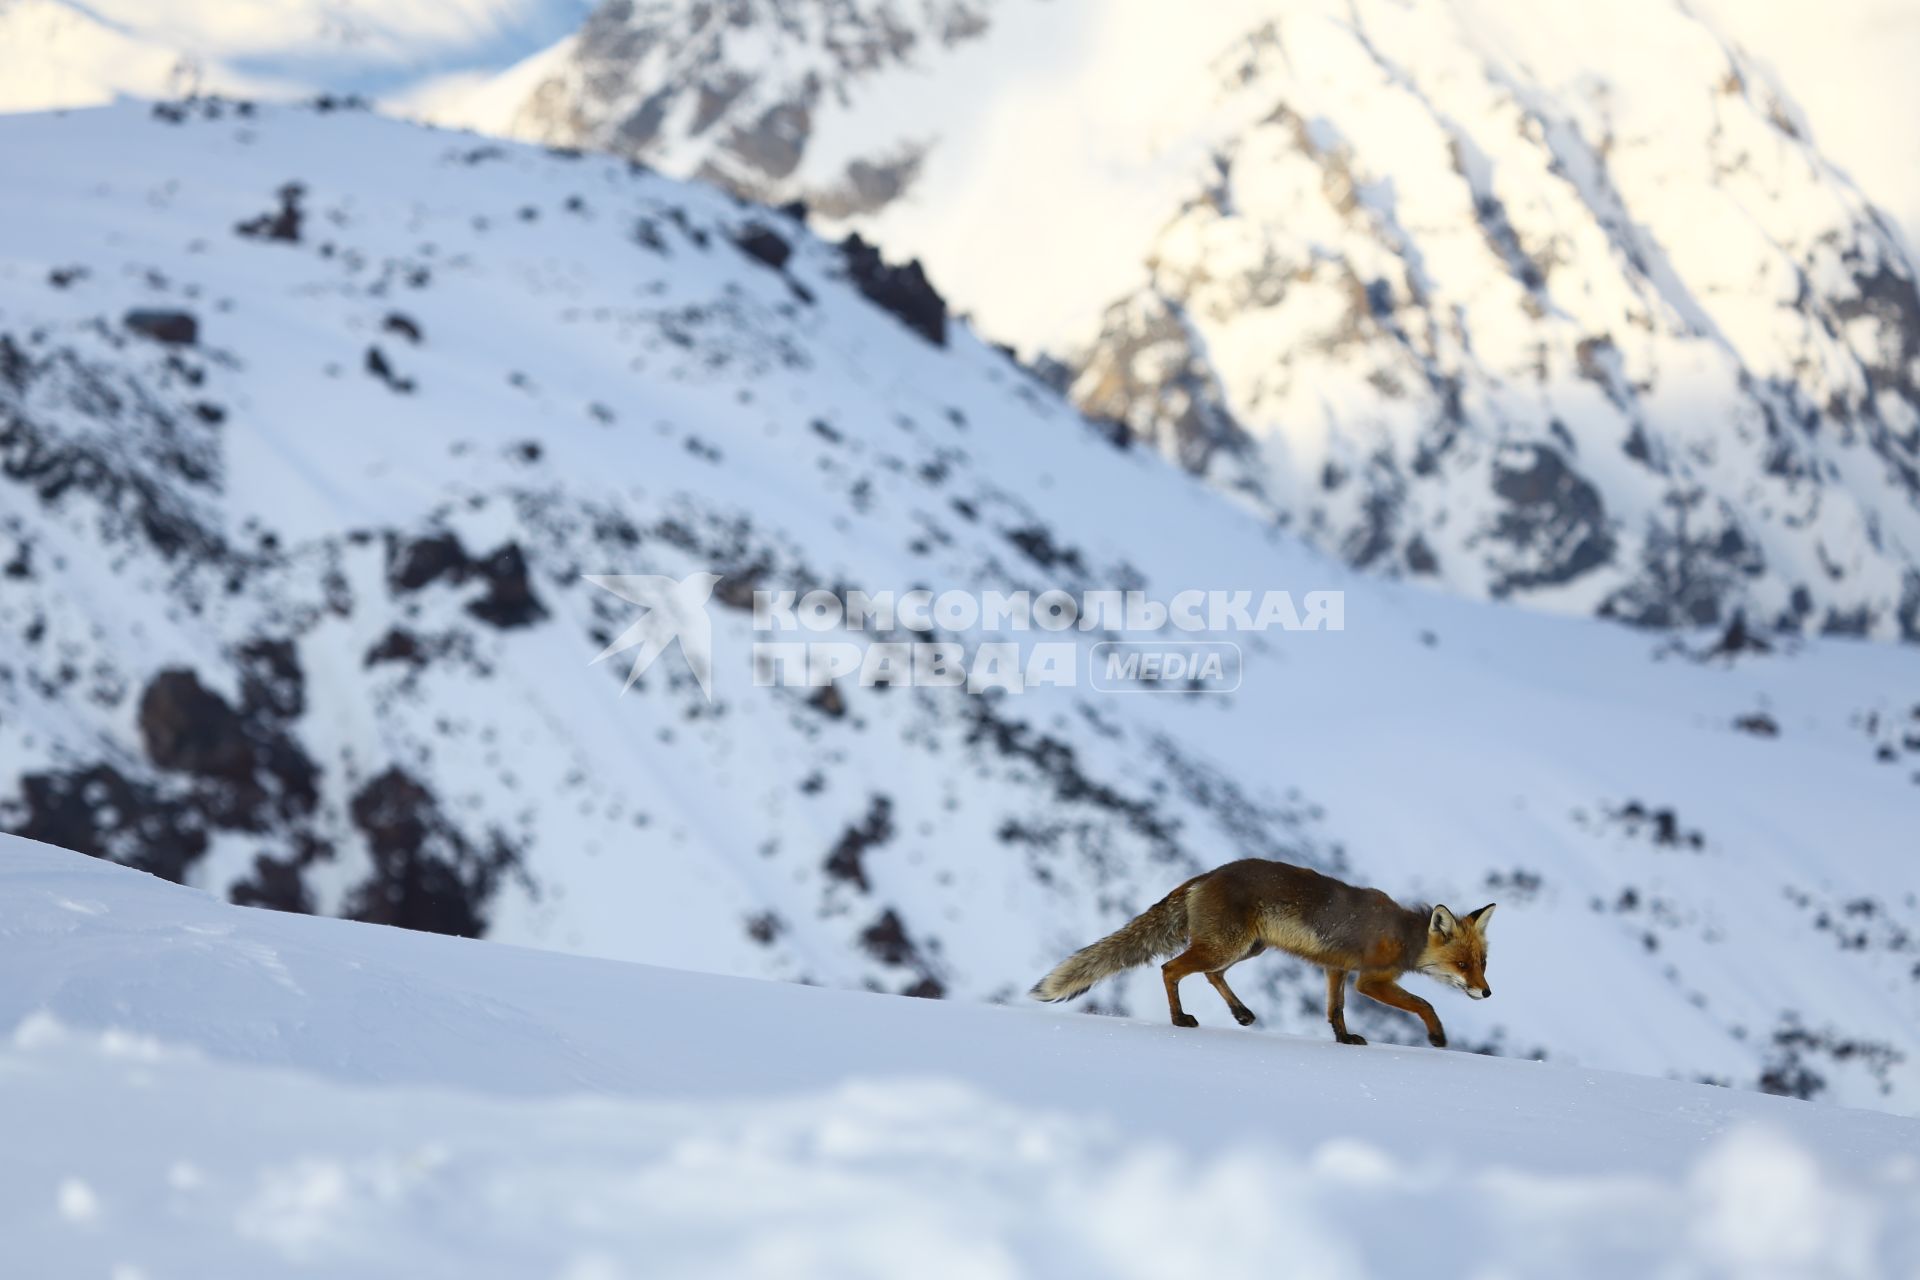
[1236, 911]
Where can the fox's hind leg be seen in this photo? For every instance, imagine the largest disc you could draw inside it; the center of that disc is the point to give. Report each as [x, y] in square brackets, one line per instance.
[1199, 957]
[1337, 1006]
[1241, 1014]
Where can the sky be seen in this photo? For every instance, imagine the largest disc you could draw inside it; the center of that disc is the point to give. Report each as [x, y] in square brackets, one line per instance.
[1849, 64]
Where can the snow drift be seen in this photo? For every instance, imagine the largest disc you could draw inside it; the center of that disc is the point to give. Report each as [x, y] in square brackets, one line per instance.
[195, 1088]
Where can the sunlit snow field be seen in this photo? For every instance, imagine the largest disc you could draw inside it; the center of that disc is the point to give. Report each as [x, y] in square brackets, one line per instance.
[206, 1091]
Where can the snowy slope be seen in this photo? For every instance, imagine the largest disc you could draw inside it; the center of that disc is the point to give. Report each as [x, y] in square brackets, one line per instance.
[294, 613]
[1557, 303]
[196, 1089]
[68, 53]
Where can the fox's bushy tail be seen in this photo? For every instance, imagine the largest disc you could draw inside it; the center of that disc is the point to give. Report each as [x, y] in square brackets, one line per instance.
[1158, 931]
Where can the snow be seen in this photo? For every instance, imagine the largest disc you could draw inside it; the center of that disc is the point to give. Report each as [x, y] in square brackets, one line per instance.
[1107, 113]
[1437, 748]
[1401, 236]
[483, 101]
[64, 53]
[1700, 185]
[195, 1088]
[189, 1088]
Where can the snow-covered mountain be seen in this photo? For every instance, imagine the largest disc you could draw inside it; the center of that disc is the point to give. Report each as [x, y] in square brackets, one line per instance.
[1557, 303]
[311, 424]
[196, 1089]
[70, 53]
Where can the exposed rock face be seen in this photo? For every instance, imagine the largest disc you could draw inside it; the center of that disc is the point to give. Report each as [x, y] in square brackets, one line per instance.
[1148, 371]
[282, 224]
[763, 243]
[426, 874]
[1465, 402]
[170, 328]
[903, 290]
[731, 90]
[508, 599]
[79, 428]
[1551, 518]
[215, 768]
[189, 728]
[98, 810]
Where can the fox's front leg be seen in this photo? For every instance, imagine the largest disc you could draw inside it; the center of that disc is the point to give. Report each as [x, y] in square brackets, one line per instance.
[1382, 987]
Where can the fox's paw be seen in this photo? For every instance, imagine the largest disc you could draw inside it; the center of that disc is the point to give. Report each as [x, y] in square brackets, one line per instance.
[1185, 1020]
[1351, 1039]
[1243, 1016]
[1438, 1039]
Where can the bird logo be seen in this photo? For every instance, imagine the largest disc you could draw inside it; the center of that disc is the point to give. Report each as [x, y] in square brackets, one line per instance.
[673, 610]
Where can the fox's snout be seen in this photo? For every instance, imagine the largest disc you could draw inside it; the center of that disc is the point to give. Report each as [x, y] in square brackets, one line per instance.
[1480, 992]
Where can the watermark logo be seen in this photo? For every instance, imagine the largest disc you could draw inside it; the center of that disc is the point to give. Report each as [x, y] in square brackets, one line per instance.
[804, 639]
[1165, 666]
[671, 610]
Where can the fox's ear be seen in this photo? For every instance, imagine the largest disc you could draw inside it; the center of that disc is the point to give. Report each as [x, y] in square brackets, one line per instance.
[1479, 918]
[1443, 922]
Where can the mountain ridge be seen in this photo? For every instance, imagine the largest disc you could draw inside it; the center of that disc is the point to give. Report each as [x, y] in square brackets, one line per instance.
[1493, 299]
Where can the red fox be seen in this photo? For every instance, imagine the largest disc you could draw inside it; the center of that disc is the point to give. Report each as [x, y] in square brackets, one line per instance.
[1242, 908]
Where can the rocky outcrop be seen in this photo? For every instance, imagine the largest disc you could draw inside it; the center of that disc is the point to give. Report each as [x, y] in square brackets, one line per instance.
[167, 327]
[731, 92]
[426, 873]
[903, 290]
[1148, 371]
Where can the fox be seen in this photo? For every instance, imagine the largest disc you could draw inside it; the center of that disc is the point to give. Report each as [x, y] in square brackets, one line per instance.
[1239, 910]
